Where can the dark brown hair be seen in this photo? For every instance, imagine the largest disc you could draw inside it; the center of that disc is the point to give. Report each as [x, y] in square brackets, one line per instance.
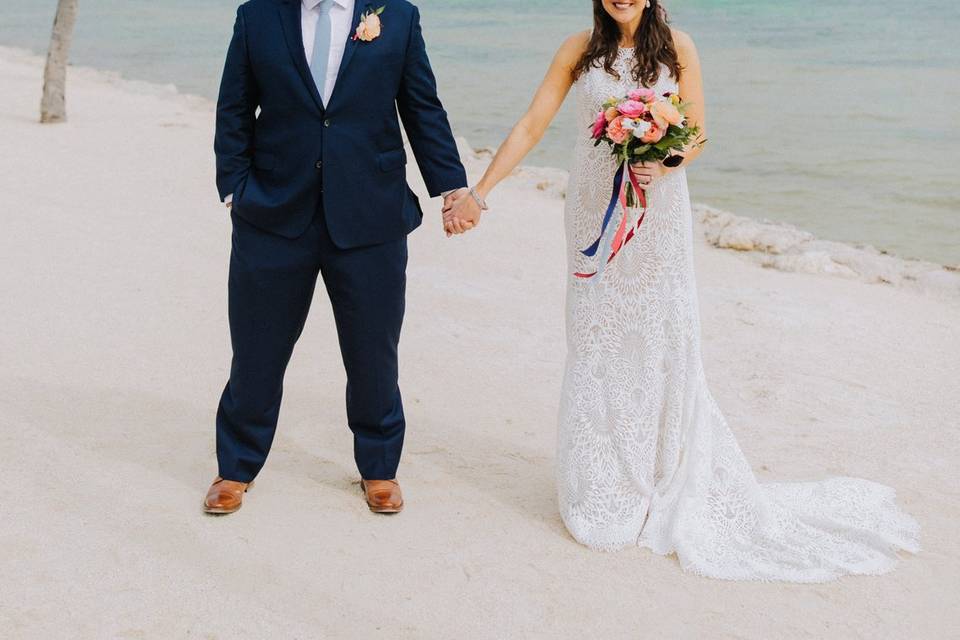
[653, 44]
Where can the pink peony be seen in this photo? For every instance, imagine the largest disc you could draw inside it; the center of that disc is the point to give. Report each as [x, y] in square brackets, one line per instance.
[643, 95]
[600, 125]
[653, 134]
[665, 114]
[616, 132]
[632, 108]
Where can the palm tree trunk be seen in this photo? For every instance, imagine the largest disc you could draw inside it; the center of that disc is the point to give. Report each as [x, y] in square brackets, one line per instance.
[53, 107]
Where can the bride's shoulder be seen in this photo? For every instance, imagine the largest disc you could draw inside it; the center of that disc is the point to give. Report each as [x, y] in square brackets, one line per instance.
[687, 54]
[576, 44]
[682, 41]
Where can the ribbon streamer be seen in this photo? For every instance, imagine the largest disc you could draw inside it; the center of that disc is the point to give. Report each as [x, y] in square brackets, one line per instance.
[613, 245]
[617, 190]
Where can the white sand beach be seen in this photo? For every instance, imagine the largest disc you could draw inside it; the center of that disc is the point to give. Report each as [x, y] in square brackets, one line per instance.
[114, 347]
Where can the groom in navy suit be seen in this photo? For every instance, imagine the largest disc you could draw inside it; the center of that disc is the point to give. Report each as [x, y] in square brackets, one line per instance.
[311, 160]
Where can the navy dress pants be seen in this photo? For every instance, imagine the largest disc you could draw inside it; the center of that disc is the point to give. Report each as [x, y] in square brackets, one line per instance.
[272, 280]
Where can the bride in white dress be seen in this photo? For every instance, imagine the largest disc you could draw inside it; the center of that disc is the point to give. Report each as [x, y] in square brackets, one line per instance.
[645, 457]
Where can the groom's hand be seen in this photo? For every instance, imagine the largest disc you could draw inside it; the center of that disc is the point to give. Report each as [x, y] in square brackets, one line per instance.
[455, 226]
[452, 196]
[462, 214]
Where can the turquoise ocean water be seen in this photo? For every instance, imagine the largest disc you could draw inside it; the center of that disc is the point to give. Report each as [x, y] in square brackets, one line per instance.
[840, 117]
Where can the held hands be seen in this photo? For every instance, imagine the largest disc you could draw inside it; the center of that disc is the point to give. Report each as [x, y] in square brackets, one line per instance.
[461, 212]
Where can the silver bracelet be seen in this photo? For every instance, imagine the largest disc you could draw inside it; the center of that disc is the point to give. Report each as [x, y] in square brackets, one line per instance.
[480, 201]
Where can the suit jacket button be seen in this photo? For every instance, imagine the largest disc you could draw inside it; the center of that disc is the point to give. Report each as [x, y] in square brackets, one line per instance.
[326, 122]
[319, 164]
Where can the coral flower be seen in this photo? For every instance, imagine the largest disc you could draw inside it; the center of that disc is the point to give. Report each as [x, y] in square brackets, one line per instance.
[612, 113]
[616, 131]
[653, 134]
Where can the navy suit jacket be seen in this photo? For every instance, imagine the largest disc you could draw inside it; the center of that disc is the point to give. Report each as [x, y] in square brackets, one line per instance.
[296, 153]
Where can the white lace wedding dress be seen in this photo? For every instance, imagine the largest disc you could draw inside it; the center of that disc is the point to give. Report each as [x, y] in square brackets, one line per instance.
[645, 457]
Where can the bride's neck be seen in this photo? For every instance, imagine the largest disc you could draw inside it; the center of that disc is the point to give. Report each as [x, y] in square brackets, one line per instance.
[628, 33]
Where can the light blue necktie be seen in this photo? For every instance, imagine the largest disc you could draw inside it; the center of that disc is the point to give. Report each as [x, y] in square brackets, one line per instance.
[321, 47]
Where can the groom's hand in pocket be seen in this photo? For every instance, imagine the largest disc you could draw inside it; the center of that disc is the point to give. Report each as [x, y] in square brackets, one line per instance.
[461, 213]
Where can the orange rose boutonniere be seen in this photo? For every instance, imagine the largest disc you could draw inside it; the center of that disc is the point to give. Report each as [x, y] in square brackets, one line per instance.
[369, 27]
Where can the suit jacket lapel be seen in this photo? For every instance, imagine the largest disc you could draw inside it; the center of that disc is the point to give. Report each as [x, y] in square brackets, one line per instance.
[293, 34]
[359, 7]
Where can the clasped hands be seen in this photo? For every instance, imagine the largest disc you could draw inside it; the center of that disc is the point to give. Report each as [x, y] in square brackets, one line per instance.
[461, 212]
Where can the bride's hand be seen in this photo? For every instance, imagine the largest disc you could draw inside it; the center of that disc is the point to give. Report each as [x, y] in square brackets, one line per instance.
[647, 172]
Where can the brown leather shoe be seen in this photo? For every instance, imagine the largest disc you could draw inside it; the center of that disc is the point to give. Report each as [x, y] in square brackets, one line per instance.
[383, 496]
[225, 496]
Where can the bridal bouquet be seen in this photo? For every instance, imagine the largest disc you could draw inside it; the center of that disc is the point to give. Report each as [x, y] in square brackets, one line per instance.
[639, 127]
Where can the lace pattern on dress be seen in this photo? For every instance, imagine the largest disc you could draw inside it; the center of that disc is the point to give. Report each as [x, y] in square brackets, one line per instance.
[644, 454]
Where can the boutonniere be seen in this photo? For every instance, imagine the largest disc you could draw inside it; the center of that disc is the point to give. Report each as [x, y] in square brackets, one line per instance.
[369, 27]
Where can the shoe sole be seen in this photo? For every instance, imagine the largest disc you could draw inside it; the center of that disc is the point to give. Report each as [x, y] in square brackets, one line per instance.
[219, 512]
[385, 509]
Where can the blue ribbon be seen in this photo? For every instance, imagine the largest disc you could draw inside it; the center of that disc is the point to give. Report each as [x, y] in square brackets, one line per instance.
[614, 197]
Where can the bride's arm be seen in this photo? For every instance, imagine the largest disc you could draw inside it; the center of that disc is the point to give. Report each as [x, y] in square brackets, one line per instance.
[529, 130]
[691, 90]
[526, 133]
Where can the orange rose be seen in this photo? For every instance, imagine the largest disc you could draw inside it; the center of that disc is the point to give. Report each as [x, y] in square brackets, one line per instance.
[654, 134]
[611, 113]
[616, 132]
[665, 114]
[373, 27]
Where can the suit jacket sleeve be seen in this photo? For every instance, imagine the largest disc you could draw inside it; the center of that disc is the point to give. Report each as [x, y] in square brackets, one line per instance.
[236, 114]
[425, 119]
